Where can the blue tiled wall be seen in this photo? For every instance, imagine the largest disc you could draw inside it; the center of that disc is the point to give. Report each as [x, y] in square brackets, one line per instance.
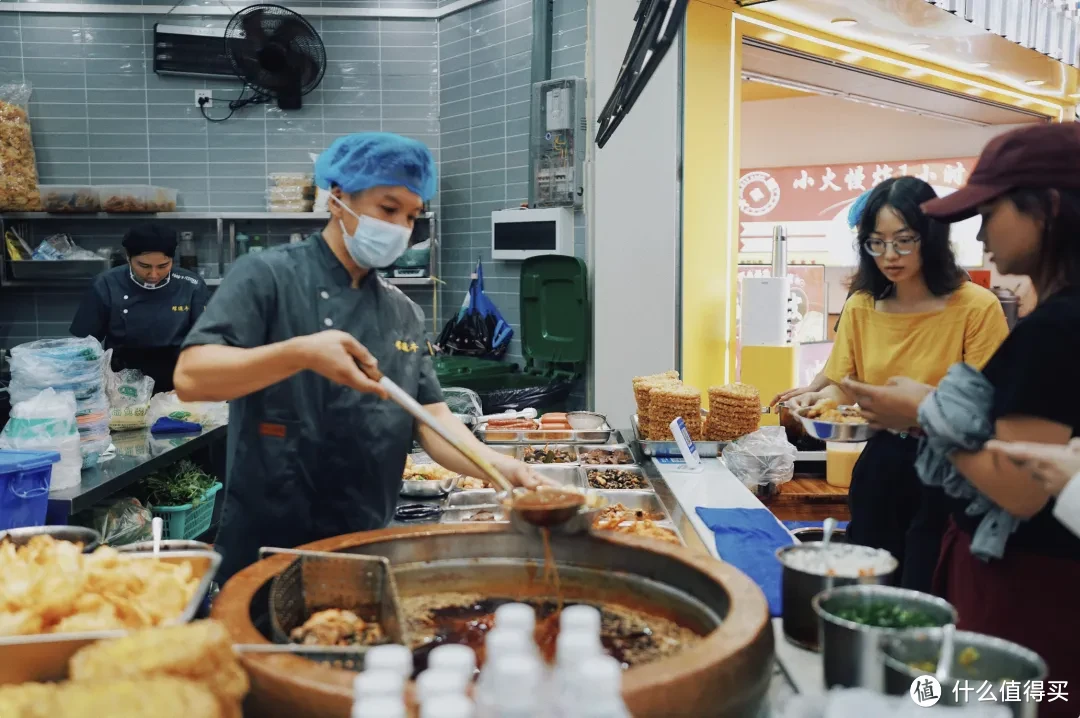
[484, 94]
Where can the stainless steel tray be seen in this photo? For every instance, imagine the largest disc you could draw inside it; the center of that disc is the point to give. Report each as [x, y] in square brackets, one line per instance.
[537, 436]
[571, 449]
[464, 516]
[636, 470]
[319, 580]
[562, 474]
[473, 499]
[58, 269]
[706, 449]
[44, 657]
[425, 488]
[609, 448]
[637, 500]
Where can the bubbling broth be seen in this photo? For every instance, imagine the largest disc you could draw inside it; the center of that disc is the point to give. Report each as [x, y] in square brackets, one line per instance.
[632, 637]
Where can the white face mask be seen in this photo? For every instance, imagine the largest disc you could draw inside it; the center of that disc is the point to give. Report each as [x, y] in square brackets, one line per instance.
[375, 244]
[144, 285]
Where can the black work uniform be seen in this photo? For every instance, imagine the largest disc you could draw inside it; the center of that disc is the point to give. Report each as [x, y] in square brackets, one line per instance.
[309, 458]
[145, 328]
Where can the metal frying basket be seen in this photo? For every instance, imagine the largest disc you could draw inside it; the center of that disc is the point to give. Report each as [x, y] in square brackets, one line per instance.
[319, 580]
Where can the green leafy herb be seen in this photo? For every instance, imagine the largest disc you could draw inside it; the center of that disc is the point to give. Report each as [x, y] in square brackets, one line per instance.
[176, 485]
[886, 615]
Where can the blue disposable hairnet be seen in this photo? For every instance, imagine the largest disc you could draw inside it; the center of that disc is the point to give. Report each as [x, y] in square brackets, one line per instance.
[373, 159]
[857, 208]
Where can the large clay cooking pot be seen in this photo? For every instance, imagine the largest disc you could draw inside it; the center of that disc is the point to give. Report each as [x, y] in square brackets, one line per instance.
[726, 674]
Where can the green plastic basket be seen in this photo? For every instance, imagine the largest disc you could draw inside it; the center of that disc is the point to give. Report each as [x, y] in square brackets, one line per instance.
[189, 521]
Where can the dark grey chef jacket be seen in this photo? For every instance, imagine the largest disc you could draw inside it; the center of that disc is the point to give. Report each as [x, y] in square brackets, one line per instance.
[309, 458]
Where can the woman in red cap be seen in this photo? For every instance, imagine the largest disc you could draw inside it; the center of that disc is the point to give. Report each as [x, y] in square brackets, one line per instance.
[1026, 187]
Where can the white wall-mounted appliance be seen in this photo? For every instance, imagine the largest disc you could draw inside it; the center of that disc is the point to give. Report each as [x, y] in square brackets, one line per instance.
[518, 234]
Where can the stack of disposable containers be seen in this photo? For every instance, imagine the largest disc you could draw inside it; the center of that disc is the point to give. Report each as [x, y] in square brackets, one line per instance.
[67, 365]
[514, 682]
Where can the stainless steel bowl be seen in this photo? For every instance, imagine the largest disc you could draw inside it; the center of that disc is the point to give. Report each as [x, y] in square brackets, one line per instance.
[166, 545]
[799, 588]
[828, 431]
[810, 534]
[425, 488]
[586, 420]
[997, 661]
[851, 651]
[89, 538]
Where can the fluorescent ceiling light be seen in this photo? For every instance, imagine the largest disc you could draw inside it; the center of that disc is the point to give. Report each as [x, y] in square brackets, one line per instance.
[845, 22]
[980, 65]
[1035, 83]
[919, 46]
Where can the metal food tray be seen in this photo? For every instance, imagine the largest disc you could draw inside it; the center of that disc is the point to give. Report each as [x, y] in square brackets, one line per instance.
[463, 516]
[320, 580]
[58, 269]
[637, 500]
[537, 436]
[473, 499]
[427, 488]
[637, 470]
[610, 448]
[706, 449]
[571, 475]
[571, 449]
[45, 656]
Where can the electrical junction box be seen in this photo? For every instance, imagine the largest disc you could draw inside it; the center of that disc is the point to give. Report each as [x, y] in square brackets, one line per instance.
[558, 143]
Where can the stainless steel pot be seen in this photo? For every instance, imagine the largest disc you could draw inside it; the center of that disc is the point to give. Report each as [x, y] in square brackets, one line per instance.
[997, 661]
[166, 545]
[798, 590]
[810, 534]
[851, 651]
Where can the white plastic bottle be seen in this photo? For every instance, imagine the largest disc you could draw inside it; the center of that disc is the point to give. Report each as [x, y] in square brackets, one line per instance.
[453, 657]
[516, 690]
[378, 684]
[599, 691]
[516, 616]
[580, 618]
[379, 708]
[391, 657]
[433, 685]
[500, 645]
[572, 650]
[448, 707]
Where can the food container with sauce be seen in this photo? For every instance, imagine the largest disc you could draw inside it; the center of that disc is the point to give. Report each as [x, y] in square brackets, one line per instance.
[124, 199]
[851, 651]
[840, 459]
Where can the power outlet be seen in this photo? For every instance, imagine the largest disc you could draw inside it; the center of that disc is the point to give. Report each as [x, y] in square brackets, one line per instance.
[203, 98]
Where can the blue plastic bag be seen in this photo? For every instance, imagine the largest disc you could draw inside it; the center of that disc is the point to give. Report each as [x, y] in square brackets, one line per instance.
[478, 329]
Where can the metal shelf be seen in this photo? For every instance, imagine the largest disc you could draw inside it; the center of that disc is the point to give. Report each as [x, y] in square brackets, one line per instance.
[396, 281]
[172, 215]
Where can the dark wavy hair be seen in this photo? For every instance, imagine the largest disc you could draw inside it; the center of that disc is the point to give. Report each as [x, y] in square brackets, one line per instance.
[1058, 264]
[939, 268]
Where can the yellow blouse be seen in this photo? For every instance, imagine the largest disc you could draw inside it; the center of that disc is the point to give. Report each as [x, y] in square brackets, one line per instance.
[874, 346]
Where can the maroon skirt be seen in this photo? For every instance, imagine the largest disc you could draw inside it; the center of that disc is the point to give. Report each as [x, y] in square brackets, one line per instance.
[1025, 598]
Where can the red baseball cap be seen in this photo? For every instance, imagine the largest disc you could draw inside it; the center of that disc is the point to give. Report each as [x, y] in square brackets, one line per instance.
[1035, 156]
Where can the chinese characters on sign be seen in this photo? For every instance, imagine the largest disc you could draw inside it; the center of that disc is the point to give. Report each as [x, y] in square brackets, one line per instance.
[926, 691]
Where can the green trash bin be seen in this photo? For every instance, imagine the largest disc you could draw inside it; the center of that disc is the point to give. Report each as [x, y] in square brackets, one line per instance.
[555, 335]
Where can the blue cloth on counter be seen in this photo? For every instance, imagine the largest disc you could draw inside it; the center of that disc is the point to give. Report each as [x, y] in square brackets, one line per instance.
[792, 525]
[748, 539]
[165, 425]
[956, 417]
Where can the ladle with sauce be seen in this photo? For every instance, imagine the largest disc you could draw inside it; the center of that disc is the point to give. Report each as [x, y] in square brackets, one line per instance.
[542, 507]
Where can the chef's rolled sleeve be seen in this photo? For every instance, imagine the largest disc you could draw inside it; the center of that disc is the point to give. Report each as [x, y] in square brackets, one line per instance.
[238, 313]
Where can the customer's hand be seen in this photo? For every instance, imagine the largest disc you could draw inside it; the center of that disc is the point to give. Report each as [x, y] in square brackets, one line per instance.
[1052, 465]
[337, 356]
[893, 406]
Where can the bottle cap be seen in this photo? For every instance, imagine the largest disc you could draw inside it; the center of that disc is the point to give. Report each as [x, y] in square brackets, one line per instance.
[516, 616]
[391, 657]
[378, 684]
[580, 618]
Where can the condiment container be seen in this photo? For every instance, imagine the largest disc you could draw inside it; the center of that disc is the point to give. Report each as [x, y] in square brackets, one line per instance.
[448, 707]
[453, 657]
[995, 661]
[379, 683]
[580, 618]
[840, 459]
[516, 617]
[391, 657]
[851, 651]
[800, 586]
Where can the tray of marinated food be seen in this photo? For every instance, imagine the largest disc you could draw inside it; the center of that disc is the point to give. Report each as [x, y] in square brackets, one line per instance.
[637, 513]
[650, 448]
[472, 499]
[56, 599]
[606, 455]
[548, 454]
[829, 421]
[483, 514]
[424, 478]
[623, 478]
[548, 428]
[69, 199]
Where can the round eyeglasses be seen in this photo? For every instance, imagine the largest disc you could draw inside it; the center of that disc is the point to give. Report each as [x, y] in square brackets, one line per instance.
[902, 246]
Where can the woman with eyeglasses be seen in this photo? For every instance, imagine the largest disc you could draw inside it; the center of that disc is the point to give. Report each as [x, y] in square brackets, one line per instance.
[912, 312]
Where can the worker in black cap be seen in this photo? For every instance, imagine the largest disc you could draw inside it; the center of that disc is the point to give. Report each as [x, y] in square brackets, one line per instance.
[144, 309]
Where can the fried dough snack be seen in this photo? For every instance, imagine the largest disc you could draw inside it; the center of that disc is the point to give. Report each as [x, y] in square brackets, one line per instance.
[828, 410]
[158, 697]
[50, 586]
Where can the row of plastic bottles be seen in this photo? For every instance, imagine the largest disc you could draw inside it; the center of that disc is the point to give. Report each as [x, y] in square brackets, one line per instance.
[514, 682]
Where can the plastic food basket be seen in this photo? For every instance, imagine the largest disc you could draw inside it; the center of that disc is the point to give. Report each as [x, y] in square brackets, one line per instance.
[24, 487]
[189, 521]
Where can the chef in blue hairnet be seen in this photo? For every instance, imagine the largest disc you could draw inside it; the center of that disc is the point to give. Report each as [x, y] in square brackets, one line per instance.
[314, 448]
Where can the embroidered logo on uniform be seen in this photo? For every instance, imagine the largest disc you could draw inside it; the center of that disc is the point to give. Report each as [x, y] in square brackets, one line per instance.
[181, 308]
[407, 347]
[276, 431]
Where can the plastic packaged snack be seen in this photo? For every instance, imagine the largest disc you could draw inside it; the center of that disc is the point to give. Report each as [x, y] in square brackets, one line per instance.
[19, 178]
